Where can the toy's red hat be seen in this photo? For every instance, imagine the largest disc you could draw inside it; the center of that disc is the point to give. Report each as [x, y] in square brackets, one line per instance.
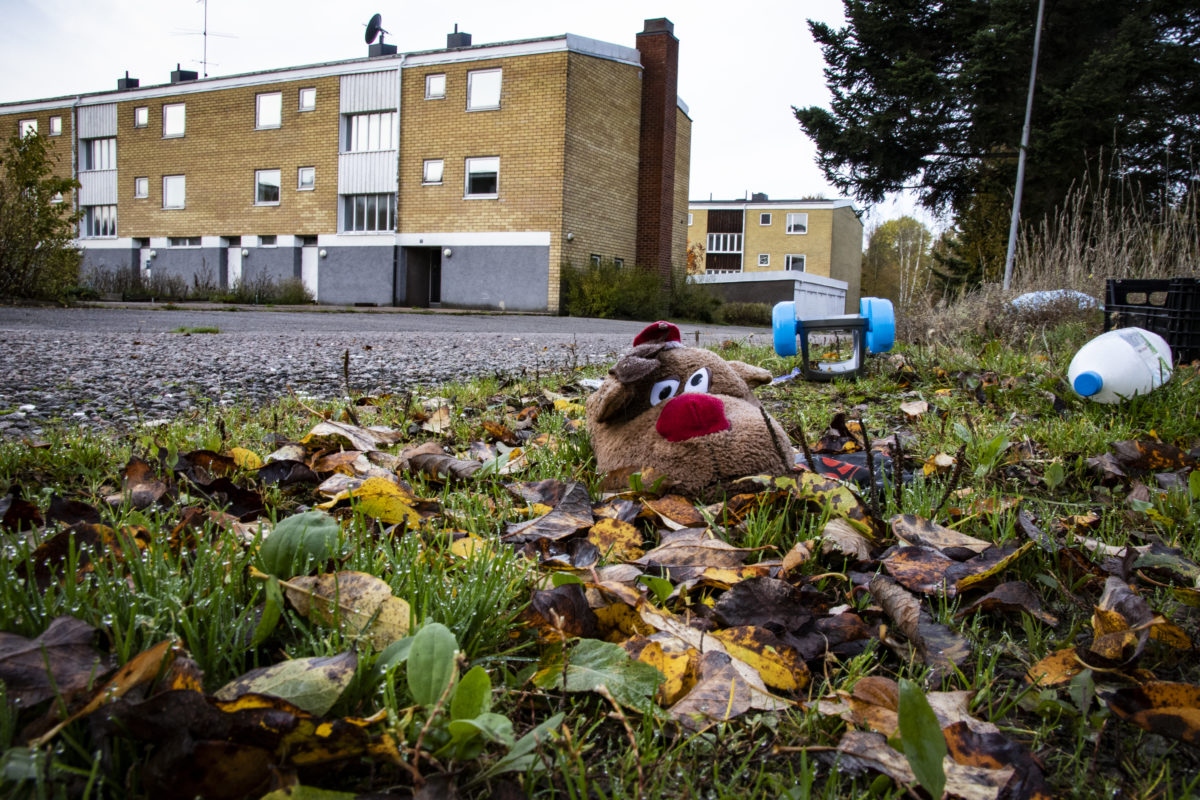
[657, 333]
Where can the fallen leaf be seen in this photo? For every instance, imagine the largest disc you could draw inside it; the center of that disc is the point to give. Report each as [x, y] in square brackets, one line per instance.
[967, 782]
[939, 647]
[355, 601]
[63, 660]
[919, 531]
[1168, 709]
[1011, 596]
[313, 684]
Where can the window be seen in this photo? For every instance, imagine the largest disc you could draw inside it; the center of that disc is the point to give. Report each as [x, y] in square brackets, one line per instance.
[141, 187]
[174, 120]
[435, 87]
[764, 259]
[366, 132]
[689, 219]
[268, 110]
[141, 117]
[26, 127]
[174, 191]
[483, 89]
[794, 262]
[433, 171]
[56, 126]
[724, 243]
[266, 187]
[797, 223]
[99, 221]
[57, 198]
[764, 219]
[618, 262]
[267, 241]
[483, 177]
[306, 179]
[595, 257]
[183, 241]
[98, 154]
[308, 99]
[369, 212]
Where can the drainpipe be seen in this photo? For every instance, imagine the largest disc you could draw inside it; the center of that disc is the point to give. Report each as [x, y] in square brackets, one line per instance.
[75, 158]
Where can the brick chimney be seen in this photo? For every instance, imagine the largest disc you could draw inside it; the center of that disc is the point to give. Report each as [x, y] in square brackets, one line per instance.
[656, 174]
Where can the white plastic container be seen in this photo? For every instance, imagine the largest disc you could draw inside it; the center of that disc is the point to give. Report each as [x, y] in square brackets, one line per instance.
[1120, 364]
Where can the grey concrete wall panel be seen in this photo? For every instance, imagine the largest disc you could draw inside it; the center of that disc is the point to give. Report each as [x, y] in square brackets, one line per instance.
[349, 275]
[370, 91]
[367, 173]
[97, 121]
[509, 278]
[120, 259]
[270, 264]
[758, 292]
[98, 187]
[195, 266]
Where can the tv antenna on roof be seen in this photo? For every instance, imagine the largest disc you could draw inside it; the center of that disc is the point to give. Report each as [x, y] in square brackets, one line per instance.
[375, 28]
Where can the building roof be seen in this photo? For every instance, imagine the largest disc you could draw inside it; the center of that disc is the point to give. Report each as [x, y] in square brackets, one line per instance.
[706, 205]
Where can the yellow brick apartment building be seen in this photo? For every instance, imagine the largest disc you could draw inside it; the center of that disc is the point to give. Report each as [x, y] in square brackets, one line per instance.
[761, 239]
[465, 176]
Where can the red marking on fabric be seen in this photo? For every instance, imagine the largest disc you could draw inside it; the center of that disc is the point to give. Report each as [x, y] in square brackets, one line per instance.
[657, 332]
[690, 415]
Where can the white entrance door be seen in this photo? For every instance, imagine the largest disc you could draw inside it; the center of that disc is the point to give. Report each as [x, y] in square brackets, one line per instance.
[234, 265]
[308, 268]
[144, 261]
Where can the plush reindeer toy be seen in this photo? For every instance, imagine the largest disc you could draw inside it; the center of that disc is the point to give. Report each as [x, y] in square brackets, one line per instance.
[684, 412]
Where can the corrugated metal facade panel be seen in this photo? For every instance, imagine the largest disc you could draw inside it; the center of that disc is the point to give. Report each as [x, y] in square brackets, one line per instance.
[367, 173]
[371, 91]
[98, 188]
[98, 121]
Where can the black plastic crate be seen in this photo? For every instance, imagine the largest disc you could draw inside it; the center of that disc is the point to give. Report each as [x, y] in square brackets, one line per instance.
[1170, 308]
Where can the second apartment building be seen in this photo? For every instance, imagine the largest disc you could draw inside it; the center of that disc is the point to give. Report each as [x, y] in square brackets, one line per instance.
[465, 176]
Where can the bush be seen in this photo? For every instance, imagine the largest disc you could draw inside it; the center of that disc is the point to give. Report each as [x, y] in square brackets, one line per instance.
[610, 292]
[749, 314]
[693, 301]
[131, 285]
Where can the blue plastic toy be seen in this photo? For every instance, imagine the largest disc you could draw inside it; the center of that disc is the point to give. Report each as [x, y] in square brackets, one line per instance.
[873, 330]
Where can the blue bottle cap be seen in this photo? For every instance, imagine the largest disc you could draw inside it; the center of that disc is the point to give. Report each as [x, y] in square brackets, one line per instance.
[1088, 383]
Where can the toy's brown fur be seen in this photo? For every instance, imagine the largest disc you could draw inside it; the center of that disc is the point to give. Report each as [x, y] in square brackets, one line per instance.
[627, 434]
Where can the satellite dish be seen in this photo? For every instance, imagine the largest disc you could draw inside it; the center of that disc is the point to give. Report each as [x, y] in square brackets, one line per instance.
[375, 28]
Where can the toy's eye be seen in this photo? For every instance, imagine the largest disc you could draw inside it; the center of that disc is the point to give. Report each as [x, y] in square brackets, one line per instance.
[698, 382]
[663, 391]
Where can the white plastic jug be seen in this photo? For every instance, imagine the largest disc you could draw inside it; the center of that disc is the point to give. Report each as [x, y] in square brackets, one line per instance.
[1120, 364]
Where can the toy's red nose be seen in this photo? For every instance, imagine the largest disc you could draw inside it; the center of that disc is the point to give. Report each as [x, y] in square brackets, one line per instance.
[690, 415]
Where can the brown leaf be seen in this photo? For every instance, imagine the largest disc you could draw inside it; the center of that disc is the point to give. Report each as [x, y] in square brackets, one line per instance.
[571, 514]
[676, 509]
[18, 514]
[562, 612]
[915, 530]
[62, 660]
[765, 602]
[1011, 596]
[1150, 456]
[939, 647]
[141, 488]
[440, 466]
[1168, 709]
[993, 750]
[914, 409]
[921, 569]
[840, 536]
[358, 438]
[967, 782]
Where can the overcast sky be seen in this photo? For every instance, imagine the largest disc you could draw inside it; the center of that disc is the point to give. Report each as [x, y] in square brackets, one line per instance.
[742, 65]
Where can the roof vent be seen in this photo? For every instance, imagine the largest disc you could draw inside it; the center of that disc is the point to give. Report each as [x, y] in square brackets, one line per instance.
[182, 75]
[127, 82]
[758, 197]
[456, 39]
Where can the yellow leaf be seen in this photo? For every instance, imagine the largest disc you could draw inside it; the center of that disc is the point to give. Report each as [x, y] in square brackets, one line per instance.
[681, 669]
[355, 600]
[780, 666]
[619, 621]
[617, 541]
[245, 459]
[385, 501]
[469, 545]
[1058, 667]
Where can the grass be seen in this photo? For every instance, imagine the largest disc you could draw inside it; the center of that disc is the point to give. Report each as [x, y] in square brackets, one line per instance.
[189, 330]
[1003, 401]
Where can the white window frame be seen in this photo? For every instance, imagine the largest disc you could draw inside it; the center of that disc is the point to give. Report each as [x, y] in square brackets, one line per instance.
[141, 117]
[369, 208]
[268, 111]
[311, 185]
[764, 218]
[477, 100]
[259, 175]
[141, 188]
[270, 240]
[477, 166]
[26, 127]
[311, 93]
[764, 259]
[174, 117]
[99, 222]
[167, 182]
[595, 259]
[56, 126]
[99, 154]
[689, 219]
[618, 262]
[432, 91]
[371, 132]
[791, 259]
[797, 223]
[433, 172]
[182, 242]
[724, 243]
